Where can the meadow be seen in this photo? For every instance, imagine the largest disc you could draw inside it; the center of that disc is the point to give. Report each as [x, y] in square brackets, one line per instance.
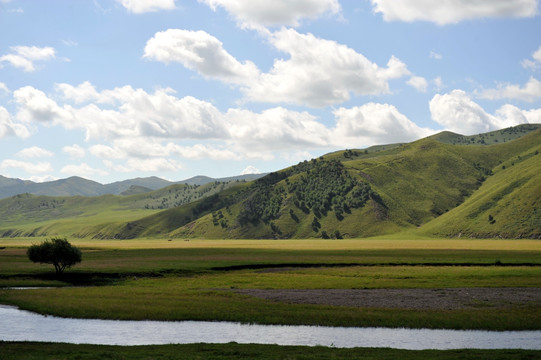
[178, 279]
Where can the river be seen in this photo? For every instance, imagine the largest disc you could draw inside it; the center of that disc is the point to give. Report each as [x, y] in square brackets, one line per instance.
[20, 325]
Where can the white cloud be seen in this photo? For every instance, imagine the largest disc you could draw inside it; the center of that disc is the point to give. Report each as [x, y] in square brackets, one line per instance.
[81, 93]
[374, 123]
[34, 105]
[8, 127]
[453, 11]
[34, 152]
[418, 83]
[34, 53]
[40, 179]
[320, 72]
[458, 113]
[199, 51]
[535, 62]
[250, 170]
[3, 88]
[275, 129]
[530, 92]
[134, 113]
[144, 6]
[82, 170]
[512, 115]
[70, 43]
[145, 165]
[74, 151]
[438, 83]
[265, 13]
[31, 168]
[435, 55]
[25, 56]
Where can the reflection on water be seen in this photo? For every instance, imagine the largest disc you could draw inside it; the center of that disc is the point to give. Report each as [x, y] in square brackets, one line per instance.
[19, 325]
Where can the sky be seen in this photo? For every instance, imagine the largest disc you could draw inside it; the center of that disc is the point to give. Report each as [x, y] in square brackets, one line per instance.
[116, 89]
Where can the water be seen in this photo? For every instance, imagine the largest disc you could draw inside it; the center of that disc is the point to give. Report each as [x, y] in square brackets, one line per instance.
[19, 325]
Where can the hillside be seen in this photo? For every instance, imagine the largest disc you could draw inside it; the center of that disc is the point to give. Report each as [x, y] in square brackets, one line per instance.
[435, 186]
[356, 193]
[37, 215]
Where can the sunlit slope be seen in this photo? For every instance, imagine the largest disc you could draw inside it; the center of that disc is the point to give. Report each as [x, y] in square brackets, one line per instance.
[355, 193]
[507, 205]
[430, 187]
[33, 215]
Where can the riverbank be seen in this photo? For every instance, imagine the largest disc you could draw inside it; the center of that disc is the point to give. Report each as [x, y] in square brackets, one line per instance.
[232, 351]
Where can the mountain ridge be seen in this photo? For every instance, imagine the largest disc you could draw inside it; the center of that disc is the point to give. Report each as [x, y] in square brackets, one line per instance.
[78, 186]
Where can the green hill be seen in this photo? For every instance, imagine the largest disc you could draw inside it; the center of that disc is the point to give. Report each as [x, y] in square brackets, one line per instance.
[435, 186]
[357, 193]
[35, 215]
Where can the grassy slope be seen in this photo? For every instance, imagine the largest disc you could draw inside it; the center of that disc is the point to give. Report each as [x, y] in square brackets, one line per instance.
[413, 184]
[418, 182]
[508, 204]
[32, 215]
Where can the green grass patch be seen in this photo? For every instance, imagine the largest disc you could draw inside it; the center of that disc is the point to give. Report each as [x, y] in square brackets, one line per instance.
[45, 351]
[183, 282]
[207, 296]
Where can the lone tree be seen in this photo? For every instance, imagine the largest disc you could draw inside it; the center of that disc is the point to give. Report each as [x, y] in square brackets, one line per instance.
[56, 251]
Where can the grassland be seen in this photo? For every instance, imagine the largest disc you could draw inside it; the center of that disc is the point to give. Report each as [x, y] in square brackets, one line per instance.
[194, 280]
[31, 351]
[200, 280]
[238, 351]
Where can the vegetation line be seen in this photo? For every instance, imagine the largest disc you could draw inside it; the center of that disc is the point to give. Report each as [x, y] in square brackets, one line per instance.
[322, 265]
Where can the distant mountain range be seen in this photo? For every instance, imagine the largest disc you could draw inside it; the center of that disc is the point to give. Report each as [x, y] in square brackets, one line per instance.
[78, 186]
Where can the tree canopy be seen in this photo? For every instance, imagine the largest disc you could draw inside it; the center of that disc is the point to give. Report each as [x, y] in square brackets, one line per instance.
[56, 251]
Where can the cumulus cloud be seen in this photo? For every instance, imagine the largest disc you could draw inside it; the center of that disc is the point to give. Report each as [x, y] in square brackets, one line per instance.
[530, 92]
[3, 88]
[458, 113]
[144, 6]
[81, 93]
[31, 168]
[250, 170]
[131, 113]
[201, 52]
[132, 130]
[9, 128]
[34, 152]
[418, 83]
[74, 151]
[534, 62]
[35, 105]
[445, 12]
[275, 129]
[320, 72]
[145, 165]
[266, 13]
[25, 56]
[374, 123]
[82, 170]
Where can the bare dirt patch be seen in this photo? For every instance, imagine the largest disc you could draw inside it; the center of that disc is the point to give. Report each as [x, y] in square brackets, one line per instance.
[436, 299]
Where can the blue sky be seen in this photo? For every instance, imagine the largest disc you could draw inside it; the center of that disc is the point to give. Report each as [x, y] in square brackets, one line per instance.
[116, 89]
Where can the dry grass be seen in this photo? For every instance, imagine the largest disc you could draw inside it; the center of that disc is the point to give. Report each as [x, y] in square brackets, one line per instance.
[301, 244]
